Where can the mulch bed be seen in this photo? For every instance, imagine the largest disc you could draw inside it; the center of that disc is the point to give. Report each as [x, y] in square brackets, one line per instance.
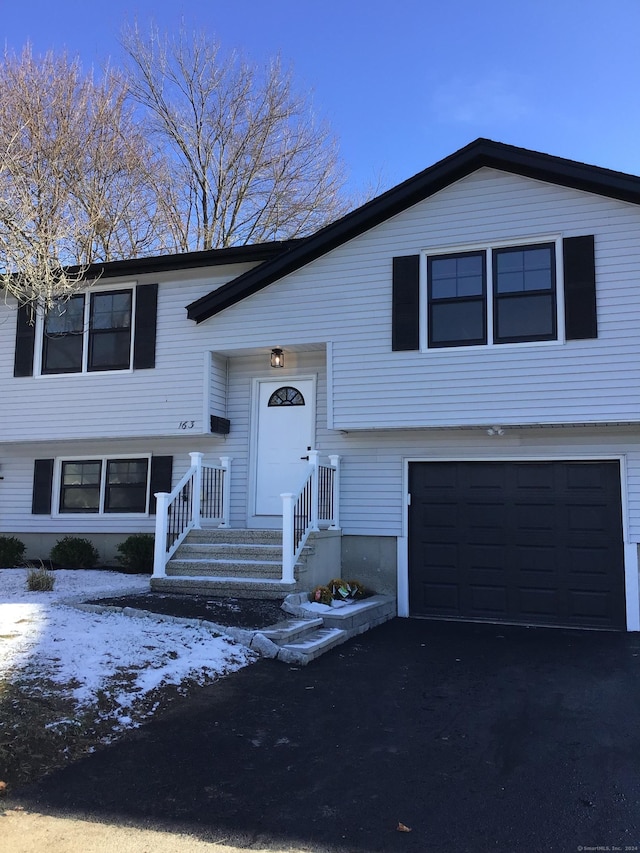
[228, 612]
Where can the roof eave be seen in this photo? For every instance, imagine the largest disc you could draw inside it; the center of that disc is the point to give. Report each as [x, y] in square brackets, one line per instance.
[478, 154]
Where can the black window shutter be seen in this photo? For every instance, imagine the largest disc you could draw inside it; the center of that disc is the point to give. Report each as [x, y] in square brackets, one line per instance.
[406, 303]
[581, 319]
[42, 485]
[25, 342]
[144, 346]
[161, 473]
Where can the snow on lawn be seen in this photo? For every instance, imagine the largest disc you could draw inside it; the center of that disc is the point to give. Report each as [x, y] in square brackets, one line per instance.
[106, 660]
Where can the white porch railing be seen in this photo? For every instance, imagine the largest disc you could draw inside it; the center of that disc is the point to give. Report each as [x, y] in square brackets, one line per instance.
[203, 493]
[314, 505]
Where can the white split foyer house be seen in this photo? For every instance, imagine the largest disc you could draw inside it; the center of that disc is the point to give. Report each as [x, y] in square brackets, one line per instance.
[444, 385]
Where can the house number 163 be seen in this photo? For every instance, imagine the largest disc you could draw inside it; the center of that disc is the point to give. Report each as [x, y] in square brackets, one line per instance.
[186, 424]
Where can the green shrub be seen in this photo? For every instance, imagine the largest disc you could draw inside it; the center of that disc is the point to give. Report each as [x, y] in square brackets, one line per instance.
[136, 554]
[11, 552]
[71, 552]
[40, 580]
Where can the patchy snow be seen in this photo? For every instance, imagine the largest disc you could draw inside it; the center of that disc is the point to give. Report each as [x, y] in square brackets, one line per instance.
[102, 659]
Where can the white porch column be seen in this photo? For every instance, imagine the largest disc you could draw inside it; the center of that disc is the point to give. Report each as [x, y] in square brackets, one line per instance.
[196, 497]
[225, 461]
[160, 543]
[335, 464]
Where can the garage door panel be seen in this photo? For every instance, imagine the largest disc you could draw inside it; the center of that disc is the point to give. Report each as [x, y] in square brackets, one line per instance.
[483, 556]
[487, 516]
[487, 477]
[535, 603]
[589, 604]
[534, 557]
[485, 601]
[588, 518]
[534, 542]
[587, 475]
[588, 561]
[438, 515]
[439, 599]
[529, 477]
[534, 516]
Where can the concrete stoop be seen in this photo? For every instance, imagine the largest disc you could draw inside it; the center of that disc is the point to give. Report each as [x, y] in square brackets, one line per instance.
[317, 630]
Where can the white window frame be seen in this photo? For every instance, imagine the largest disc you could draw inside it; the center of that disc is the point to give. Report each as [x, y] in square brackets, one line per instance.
[488, 248]
[97, 457]
[40, 320]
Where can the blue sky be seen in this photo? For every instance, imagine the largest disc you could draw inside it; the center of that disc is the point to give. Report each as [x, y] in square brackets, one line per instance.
[406, 82]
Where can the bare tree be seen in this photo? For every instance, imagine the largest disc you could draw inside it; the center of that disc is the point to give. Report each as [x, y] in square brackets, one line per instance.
[78, 180]
[250, 161]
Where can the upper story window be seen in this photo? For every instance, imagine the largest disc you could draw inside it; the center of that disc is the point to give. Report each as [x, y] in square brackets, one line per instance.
[88, 332]
[497, 296]
[524, 294]
[457, 295]
[501, 294]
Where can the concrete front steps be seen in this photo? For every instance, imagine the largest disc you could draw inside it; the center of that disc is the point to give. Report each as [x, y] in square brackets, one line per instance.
[234, 563]
[315, 631]
[238, 563]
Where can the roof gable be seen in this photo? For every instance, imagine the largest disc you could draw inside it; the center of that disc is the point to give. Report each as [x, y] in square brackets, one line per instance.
[478, 154]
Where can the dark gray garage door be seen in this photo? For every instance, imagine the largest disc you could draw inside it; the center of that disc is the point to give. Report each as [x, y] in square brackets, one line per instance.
[533, 542]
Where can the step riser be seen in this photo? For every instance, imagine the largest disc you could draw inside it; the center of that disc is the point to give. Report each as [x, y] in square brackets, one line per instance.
[225, 570]
[258, 537]
[222, 589]
[231, 551]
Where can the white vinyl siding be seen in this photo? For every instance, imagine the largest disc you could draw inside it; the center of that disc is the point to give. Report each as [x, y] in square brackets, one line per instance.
[372, 469]
[218, 385]
[345, 297]
[151, 402]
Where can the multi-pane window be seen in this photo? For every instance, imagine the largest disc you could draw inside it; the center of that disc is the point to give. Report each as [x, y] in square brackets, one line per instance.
[503, 295]
[62, 344]
[104, 485]
[524, 287]
[80, 486]
[88, 333]
[126, 485]
[110, 331]
[457, 300]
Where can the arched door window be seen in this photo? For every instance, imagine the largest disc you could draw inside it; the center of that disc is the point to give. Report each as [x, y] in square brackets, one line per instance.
[286, 396]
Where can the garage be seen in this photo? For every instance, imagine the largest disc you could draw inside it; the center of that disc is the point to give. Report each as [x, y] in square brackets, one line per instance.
[536, 543]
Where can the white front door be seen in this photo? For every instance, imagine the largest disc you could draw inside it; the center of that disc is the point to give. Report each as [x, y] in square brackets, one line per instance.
[285, 433]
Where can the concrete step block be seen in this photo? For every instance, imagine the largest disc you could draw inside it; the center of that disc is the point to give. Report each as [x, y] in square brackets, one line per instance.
[291, 630]
[313, 645]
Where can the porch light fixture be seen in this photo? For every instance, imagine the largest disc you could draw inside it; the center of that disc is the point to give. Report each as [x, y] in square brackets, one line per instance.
[277, 357]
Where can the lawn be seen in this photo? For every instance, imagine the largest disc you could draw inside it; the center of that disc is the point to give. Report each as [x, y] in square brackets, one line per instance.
[71, 680]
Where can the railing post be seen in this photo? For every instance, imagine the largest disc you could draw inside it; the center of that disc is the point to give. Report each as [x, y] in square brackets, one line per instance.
[160, 544]
[225, 461]
[196, 497]
[313, 461]
[335, 464]
[287, 537]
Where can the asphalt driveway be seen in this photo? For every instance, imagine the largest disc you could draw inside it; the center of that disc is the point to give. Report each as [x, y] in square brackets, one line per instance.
[476, 738]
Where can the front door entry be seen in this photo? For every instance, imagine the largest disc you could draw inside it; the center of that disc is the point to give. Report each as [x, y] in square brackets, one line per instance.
[285, 433]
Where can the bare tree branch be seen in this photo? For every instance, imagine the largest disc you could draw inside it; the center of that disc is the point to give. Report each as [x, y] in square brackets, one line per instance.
[254, 163]
[78, 180]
